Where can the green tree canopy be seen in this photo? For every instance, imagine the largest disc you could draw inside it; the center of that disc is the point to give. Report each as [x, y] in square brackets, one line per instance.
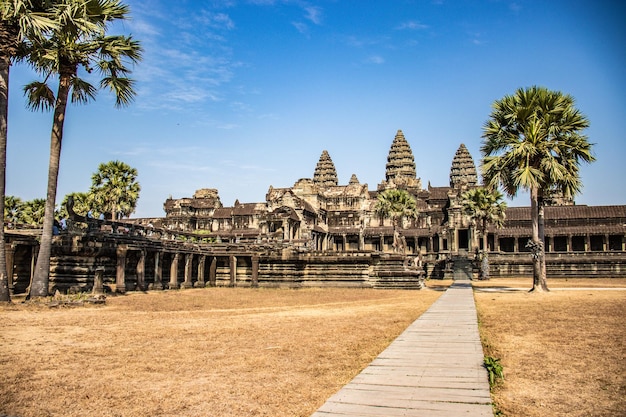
[395, 204]
[115, 188]
[533, 141]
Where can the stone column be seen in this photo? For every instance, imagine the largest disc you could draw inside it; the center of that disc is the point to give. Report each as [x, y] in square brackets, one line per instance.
[568, 243]
[213, 272]
[605, 243]
[98, 286]
[201, 261]
[141, 271]
[516, 245]
[9, 253]
[587, 242]
[255, 271]
[174, 273]
[188, 268]
[158, 272]
[233, 270]
[120, 272]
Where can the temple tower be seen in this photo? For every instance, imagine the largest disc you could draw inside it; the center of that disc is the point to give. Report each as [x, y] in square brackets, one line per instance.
[463, 170]
[400, 168]
[400, 162]
[325, 173]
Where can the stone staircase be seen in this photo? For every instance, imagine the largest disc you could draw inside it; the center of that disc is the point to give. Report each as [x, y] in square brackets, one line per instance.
[462, 267]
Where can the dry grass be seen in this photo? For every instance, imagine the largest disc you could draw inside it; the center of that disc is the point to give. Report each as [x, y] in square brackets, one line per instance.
[563, 352]
[204, 352]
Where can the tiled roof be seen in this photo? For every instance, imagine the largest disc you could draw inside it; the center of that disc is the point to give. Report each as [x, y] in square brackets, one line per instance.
[569, 212]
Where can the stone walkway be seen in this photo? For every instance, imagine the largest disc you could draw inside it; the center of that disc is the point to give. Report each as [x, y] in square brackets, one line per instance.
[434, 368]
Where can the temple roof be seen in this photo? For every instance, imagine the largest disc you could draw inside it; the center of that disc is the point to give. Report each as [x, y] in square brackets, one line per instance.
[463, 169]
[325, 172]
[400, 162]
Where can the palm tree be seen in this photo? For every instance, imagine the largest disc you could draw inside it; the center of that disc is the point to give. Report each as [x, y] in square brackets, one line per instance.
[484, 207]
[395, 204]
[115, 187]
[80, 204]
[19, 19]
[33, 211]
[79, 41]
[13, 207]
[533, 141]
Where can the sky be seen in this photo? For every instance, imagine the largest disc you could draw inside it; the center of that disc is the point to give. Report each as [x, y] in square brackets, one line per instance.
[241, 95]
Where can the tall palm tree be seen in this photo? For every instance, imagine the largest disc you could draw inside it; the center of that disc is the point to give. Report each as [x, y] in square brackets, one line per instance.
[395, 204]
[533, 141]
[484, 206]
[115, 186]
[79, 42]
[19, 19]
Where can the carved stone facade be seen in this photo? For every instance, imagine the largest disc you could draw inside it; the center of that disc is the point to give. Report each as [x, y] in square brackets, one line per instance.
[320, 215]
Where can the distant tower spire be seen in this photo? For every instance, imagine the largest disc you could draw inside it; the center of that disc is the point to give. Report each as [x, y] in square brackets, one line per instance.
[400, 162]
[463, 169]
[325, 172]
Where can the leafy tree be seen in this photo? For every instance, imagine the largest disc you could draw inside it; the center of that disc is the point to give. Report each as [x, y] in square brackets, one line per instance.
[13, 209]
[19, 20]
[533, 141]
[396, 205]
[33, 212]
[115, 188]
[81, 204]
[79, 42]
[484, 206]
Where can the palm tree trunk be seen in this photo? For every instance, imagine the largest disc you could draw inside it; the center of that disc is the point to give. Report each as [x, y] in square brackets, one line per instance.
[39, 287]
[539, 284]
[542, 234]
[484, 265]
[5, 296]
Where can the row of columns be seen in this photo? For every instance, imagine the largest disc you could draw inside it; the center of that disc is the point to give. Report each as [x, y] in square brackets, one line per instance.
[549, 244]
[120, 278]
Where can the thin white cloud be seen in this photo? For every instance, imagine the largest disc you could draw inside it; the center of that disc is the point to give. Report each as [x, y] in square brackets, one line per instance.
[411, 25]
[301, 27]
[314, 14]
[375, 59]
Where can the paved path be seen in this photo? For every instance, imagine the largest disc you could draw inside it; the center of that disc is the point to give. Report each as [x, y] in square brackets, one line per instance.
[435, 368]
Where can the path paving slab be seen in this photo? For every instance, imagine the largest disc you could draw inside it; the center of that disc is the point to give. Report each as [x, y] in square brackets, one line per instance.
[434, 368]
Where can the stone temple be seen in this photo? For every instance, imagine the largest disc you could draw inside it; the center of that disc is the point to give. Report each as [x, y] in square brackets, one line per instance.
[319, 214]
[320, 233]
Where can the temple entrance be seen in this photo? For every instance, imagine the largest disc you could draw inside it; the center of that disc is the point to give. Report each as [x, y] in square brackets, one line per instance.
[464, 239]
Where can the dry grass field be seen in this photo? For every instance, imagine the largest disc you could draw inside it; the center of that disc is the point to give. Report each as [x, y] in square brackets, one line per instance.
[563, 352]
[202, 352]
[268, 352]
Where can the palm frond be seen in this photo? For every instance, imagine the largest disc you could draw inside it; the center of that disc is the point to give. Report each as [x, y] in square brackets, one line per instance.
[82, 91]
[39, 96]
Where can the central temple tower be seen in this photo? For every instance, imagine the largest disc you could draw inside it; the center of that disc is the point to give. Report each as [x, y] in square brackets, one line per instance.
[400, 168]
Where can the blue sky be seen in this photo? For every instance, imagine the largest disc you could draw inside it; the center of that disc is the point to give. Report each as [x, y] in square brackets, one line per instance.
[243, 94]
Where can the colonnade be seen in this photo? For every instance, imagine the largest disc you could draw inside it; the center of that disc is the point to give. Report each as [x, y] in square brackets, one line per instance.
[176, 258]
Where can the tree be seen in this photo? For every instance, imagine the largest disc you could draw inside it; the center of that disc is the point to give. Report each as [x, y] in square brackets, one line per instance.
[115, 188]
[13, 209]
[19, 19]
[33, 211]
[80, 204]
[484, 207]
[79, 42]
[533, 141]
[396, 205]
